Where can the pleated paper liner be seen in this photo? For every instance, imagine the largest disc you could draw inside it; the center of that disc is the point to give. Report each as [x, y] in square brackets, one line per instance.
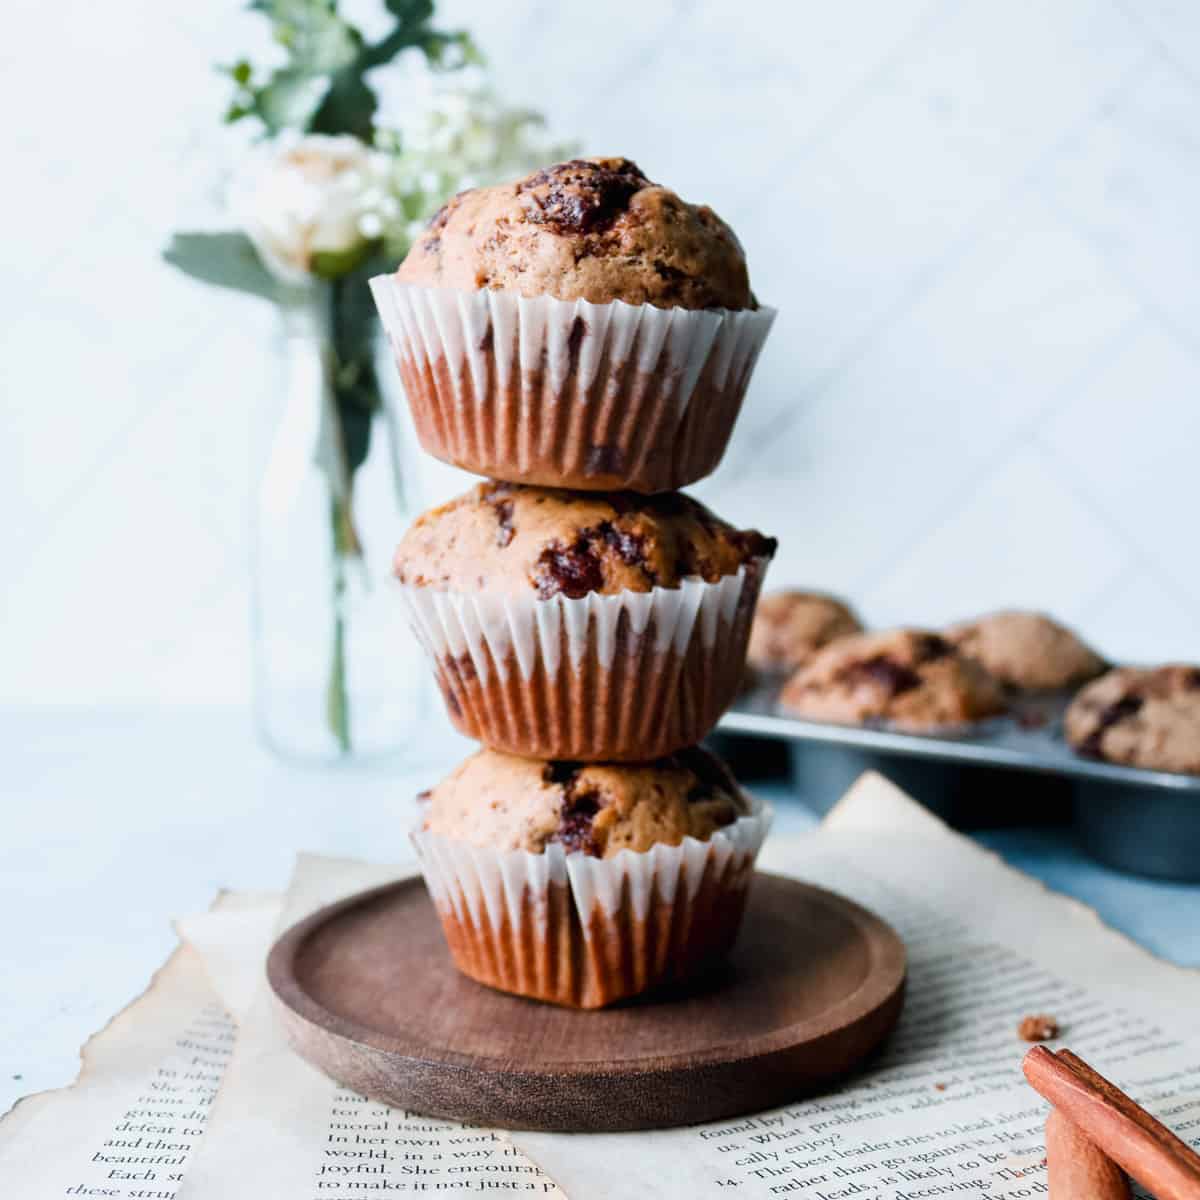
[623, 678]
[587, 932]
[596, 397]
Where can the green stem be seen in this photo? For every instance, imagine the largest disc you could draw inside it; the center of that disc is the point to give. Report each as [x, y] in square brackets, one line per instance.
[337, 696]
[353, 399]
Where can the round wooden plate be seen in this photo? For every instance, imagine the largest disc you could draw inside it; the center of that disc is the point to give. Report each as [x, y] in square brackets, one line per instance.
[367, 993]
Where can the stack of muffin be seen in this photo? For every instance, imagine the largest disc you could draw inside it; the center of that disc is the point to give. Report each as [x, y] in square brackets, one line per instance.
[582, 338]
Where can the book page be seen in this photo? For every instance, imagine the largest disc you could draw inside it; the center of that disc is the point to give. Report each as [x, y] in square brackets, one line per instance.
[282, 1131]
[129, 1125]
[943, 1113]
[233, 941]
[946, 1111]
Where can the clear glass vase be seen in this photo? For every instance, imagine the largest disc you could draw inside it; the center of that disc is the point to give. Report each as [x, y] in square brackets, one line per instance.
[337, 672]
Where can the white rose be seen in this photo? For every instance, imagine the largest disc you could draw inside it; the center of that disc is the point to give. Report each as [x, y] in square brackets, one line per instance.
[317, 195]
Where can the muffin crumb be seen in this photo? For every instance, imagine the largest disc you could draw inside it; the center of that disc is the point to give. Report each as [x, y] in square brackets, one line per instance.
[1039, 1028]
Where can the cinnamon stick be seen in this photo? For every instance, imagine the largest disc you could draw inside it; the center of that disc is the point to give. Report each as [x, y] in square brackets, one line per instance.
[1112, 1122]
[1076, 1169]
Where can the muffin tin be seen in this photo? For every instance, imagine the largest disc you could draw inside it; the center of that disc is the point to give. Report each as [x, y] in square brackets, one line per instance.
[1015, 769]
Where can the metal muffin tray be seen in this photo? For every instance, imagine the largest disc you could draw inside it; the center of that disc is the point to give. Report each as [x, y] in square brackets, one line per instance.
[1010, 770]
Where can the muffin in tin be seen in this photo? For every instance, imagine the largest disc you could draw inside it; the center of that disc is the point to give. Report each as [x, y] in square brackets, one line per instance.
[1140, 716]
[909, 679]
[791, 626]
[1027, 651]
[582, 626]
[582, 327]
[584, 884]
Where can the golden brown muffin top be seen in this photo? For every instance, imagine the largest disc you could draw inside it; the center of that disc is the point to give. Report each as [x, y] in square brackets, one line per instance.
[1027, 650]
[910, 678]
[791, 626]
[512, 538]
[509, 803]
[594, 229]
[1141, 716]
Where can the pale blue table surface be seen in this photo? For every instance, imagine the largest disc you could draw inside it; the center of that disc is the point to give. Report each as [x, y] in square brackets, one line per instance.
[116, 821]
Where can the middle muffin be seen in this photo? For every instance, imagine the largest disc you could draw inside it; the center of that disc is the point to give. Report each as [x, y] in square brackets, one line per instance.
[593, 626]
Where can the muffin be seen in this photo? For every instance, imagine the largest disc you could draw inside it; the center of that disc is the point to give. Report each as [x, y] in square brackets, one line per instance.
[906, 678]
[584, 884]
[602, 627]
[581, 327]
[1140, 716]
[590, 229]
[791, 626]
[1027, 651]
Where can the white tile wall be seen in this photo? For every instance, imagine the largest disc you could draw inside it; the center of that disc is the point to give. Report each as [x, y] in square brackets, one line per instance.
[980, 221]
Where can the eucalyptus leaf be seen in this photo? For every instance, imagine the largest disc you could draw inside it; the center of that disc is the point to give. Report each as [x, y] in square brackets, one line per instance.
[289, 99]
[322, 86]
[410, 12]
[348, 106]
[228, 260]
[352, 324]
[317, 38]
[329, 264]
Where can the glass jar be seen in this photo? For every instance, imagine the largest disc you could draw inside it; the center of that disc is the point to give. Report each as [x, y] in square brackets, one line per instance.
[337, 672]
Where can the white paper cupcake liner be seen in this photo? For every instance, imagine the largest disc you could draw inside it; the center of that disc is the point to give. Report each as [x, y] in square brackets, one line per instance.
[628, 677]
[499, 631]
[570, 393]
[587, 931]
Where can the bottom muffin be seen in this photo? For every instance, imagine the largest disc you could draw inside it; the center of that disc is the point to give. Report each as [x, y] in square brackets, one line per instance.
[586, 884]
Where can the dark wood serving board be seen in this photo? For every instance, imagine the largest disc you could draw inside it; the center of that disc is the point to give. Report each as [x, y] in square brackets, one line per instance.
[368, 994]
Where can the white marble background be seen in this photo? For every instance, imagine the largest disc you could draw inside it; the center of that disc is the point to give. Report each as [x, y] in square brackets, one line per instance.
[980, 221]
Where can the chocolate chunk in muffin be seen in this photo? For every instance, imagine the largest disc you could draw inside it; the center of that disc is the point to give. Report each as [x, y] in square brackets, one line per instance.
[514, 539]
[509, 803]
[791, 626]
[909, 678]
[1028, 651]
[594, 229]
[1140, 716]
[581, 196]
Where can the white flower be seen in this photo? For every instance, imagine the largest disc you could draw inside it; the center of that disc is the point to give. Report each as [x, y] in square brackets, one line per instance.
[316, 195]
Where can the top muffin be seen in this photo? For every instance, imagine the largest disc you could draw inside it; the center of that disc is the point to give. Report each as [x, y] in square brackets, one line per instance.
[594, 229]
[510, 538]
